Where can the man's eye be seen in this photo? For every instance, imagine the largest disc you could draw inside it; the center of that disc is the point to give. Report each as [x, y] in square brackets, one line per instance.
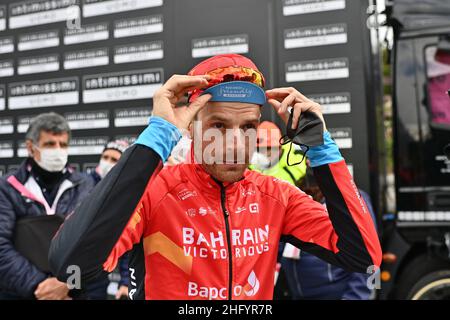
[249, 126]
[218, 125]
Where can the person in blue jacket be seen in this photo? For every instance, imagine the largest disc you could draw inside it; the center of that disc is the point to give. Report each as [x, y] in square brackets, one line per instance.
[44, 184]
[311, 278]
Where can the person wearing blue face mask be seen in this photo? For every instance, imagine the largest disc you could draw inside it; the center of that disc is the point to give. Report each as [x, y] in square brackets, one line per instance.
[33, 200]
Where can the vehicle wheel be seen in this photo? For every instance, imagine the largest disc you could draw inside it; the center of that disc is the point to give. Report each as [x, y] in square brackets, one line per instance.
[418, 274]
[434, 286]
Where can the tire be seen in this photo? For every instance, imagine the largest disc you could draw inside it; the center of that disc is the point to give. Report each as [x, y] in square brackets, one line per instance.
[418, 274]
[434, 286]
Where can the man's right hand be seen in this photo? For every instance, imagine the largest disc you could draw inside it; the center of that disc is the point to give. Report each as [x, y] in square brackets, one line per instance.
[52, 289]
[166, 98]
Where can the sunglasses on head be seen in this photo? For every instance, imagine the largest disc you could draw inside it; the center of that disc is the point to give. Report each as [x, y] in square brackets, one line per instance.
[231, 73]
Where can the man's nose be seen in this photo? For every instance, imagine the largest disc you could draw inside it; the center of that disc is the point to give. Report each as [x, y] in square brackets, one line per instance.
[236, 139]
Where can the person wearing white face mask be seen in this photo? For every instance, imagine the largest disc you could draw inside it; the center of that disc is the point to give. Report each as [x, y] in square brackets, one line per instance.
[110, 156]
[33, 202]
[98, 289]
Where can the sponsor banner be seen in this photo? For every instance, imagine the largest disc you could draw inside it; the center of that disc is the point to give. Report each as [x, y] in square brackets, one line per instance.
[421, 216]
[138, 26]
[41, 64]
[38, 40]
[81, 146]
[2, 18]
[6, 149]
[132, 117]
[333, 103]
[2, 97]
[86, 58]
[294, 7]
[43, 93]
[119, 86]
[206, 47]
[23, 122]
[88, 119]
[38, 12]
[22, 151]
[139, 52]
[6, 68]
[93, 8]
[336, 68]
[342, 137]
[6, 125]
[6, 45]
[88, 33]
[315, 36]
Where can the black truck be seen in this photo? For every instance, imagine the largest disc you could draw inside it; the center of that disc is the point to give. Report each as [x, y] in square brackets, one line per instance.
[416, 238]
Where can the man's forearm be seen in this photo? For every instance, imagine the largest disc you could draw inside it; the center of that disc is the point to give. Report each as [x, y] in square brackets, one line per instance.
[358, 242]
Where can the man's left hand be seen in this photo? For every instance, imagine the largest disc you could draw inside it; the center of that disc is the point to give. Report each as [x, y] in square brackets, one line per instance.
[282, 98]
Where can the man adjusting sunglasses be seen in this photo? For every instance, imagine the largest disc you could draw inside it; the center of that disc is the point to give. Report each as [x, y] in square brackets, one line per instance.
[210, 229]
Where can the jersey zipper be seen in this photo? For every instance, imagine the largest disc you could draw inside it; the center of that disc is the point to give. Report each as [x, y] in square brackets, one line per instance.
[226, 216]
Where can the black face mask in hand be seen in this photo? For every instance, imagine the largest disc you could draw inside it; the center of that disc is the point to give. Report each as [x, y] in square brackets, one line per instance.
[309, 133]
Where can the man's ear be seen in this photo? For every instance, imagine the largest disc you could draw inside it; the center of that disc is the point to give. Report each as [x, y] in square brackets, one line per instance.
[191, 129]
[29, 146]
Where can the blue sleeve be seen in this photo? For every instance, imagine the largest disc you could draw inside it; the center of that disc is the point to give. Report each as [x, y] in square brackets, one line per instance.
[161, 136]
[324, 154]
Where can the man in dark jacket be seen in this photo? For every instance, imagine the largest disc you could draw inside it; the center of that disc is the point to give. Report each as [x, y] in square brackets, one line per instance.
[43, 185]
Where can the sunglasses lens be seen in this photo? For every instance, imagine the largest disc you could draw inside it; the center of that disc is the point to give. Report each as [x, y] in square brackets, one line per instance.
[233, 73]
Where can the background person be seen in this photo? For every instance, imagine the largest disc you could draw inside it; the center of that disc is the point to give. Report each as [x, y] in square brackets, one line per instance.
[43, 186]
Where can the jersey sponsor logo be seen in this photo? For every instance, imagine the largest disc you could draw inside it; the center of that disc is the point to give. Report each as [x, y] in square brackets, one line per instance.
[202, 211]
[191, 212]
[240, 209]
[186, 194]
[254, 208]
[250, 289]
[248, 192]
[245, 243]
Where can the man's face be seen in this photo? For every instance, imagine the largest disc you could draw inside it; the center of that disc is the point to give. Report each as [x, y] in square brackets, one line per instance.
[110, 155]
[227, 134]
[47, 140]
